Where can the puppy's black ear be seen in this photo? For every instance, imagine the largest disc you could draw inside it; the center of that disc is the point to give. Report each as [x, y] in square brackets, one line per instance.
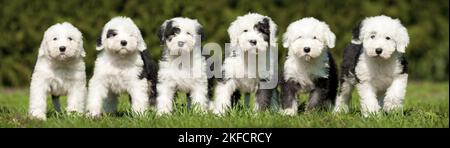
[264, 27]
[355, 32]
[99, 41]
[161, 33]
[201, 32]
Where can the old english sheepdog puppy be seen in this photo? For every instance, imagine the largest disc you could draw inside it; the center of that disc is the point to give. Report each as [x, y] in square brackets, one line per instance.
[181, 41]
[250, 35]
[309, 65]
[123, 65]
[375, 62]
[59, 70]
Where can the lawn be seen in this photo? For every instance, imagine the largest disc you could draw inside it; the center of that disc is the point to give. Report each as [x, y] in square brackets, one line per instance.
[426, 106]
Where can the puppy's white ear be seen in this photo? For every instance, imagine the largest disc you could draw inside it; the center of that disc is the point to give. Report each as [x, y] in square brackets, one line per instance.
[330, 38]
[141, 43]
[42, 47]
[286, 41]
[100, 41]
[402, 38]
[233, 32]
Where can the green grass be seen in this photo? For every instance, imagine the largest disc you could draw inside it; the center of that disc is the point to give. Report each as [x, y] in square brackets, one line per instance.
[426, 106]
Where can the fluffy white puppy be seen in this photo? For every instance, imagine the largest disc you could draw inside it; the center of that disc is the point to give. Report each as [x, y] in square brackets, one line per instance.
[123, 65]
[309, 65]
[375, 62]
[180, 39]
[59, 70]
[249, 35]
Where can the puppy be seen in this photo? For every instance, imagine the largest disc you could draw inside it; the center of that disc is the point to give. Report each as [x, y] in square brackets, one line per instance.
[123, 65]
[181, 41]
[59, 70]
[309, 65]
[375, 62]
[250, 35]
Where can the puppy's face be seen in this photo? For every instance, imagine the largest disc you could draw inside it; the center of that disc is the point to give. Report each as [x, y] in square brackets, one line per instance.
[382, 36]
[62, 42]
[252, 32]
[121, 36]
[121, 40]
[180, 34]
[378, 44]
[308, 38]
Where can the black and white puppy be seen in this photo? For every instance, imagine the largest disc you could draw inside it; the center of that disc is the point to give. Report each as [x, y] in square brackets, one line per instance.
[123, 65]
[309, 65]
[182, 66]
[250, 34]
[375, 62]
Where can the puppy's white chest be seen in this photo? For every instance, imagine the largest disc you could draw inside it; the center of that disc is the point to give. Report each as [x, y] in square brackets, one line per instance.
[60, 82]
[379, 74]
[304, 73]
[120, 78]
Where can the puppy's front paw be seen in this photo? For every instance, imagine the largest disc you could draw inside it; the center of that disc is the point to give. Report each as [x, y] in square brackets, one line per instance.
[39, 116]
[289, 112]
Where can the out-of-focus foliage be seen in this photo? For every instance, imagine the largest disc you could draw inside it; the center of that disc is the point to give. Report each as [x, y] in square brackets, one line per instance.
[23, 22]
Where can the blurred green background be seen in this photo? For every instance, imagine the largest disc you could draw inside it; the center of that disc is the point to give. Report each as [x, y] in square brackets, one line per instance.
[23, 22]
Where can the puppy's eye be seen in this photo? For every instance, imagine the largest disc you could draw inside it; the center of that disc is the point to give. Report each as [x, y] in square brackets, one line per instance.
[314, 37]
[372, 36]
[54, 39]
[70, 38]
[245, 30]
[188, 33]
[299, 37]
[388, 38]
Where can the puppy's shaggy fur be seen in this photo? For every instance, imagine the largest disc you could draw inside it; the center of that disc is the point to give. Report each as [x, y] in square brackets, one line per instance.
[59, 70]
[181, 40]
[249, 34]
[309, 65]
[375, 62]
[123, 65]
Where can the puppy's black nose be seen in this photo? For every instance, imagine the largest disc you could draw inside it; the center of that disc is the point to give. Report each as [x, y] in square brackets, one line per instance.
[62, 48]
[306, 49]
[180, 43]
[123, 43]
[252, 42]
[378, 50]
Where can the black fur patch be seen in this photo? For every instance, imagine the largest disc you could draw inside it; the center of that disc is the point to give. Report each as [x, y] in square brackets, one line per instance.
[351, 56]
[404, 64]
[160, 34]
[264, 27]
[235, 98]
[170, 31]
[166, 32]
[149, 71]
[356, 30]
[201, 32]
[263, 98]
[325, 88]
[111, 33]
[99, 40]
[289, 93]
